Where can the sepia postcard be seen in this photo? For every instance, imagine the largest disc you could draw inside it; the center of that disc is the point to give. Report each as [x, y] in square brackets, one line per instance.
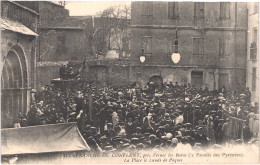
[129, 82]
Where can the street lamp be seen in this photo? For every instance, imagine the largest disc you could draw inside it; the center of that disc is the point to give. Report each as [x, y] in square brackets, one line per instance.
[142, 57]
[176, 55]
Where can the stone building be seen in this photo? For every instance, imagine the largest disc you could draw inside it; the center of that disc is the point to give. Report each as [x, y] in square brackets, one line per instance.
[18, 56]
[62, 37]
[212, 40]
[253, 51]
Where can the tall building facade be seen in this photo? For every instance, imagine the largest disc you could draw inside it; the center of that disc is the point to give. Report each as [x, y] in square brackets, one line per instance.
[253, 51]
[19, 22]
[212, 39]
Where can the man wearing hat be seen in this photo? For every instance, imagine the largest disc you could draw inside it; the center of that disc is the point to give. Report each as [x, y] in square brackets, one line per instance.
[160, 132]
[219, 132]
[201, 138]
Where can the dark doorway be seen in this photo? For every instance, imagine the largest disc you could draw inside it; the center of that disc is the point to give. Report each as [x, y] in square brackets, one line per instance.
[157, 80]
[223, 80]
[197, 79]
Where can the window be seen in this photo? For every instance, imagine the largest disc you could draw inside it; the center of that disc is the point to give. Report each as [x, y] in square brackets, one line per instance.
[224, 10]
[147, 44]
[199, 10]
[223, 80]
[254, 37]
[147, 8]
[61, 44]
[254, 79]
[224, 47]
[173, 11]
[198, 46]
[253, 51]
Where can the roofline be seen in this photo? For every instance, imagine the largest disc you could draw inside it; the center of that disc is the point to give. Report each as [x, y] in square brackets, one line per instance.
[3, 29]
[26, 8]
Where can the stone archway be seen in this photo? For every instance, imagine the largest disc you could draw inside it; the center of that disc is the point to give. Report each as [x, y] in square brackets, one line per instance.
[14, 85]
[157, 80]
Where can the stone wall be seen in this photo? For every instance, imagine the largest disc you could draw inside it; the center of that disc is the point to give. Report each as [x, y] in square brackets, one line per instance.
[215, 32]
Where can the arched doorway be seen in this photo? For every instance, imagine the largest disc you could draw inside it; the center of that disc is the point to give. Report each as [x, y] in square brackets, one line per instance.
[13, 85]
[157, 80]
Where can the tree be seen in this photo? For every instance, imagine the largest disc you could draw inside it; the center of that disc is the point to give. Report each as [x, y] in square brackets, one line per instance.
[111, 29]
[63, 3]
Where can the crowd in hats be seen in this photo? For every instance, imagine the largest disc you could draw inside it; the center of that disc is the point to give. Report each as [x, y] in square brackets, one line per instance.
[156, 117]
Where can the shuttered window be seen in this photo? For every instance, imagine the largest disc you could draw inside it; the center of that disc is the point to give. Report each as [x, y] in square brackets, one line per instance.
[224, 10]
[198, 46]
[199, 10]
[254, 79]
[224, 47]
[147, 44]
[253, 51]
[147, 8]
[173, 10]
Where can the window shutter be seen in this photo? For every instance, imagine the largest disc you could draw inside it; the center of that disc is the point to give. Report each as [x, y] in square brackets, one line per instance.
[201, 46]
[195, 46]
[221, 47]
[254, 79]
[175, 9]
[196, 9]
[147, 44]
[224, 10]
[170, 10]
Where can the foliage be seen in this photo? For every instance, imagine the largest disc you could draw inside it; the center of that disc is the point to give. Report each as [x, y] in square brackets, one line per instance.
[111, 29]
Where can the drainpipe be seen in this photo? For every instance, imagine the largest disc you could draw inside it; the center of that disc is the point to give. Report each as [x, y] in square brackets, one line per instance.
[236, 78]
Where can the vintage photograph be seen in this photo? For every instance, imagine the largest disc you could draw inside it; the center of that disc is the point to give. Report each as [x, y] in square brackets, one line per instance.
[129, 82]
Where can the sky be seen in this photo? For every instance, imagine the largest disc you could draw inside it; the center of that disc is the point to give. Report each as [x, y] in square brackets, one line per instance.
[83, 8]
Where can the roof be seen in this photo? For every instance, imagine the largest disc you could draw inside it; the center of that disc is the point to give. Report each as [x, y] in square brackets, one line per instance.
[76, 22]
[49, 138]
[16, 27]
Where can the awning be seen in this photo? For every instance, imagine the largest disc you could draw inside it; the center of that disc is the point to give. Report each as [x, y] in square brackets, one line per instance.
[61, 137]
[16, 27]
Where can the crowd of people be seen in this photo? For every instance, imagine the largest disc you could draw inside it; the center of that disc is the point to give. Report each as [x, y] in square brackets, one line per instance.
[156, 117]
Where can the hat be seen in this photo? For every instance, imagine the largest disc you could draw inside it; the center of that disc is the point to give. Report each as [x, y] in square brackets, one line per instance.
[103, 138]
[146, 134]
[134, 140]
[109, 148]
[109, 124]
[140, 146]
[188, 124]
[152, 136]
[174, 140]
[161, 127]
[200, 128]
[168, 135]
[125, 145]
[138, 128]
